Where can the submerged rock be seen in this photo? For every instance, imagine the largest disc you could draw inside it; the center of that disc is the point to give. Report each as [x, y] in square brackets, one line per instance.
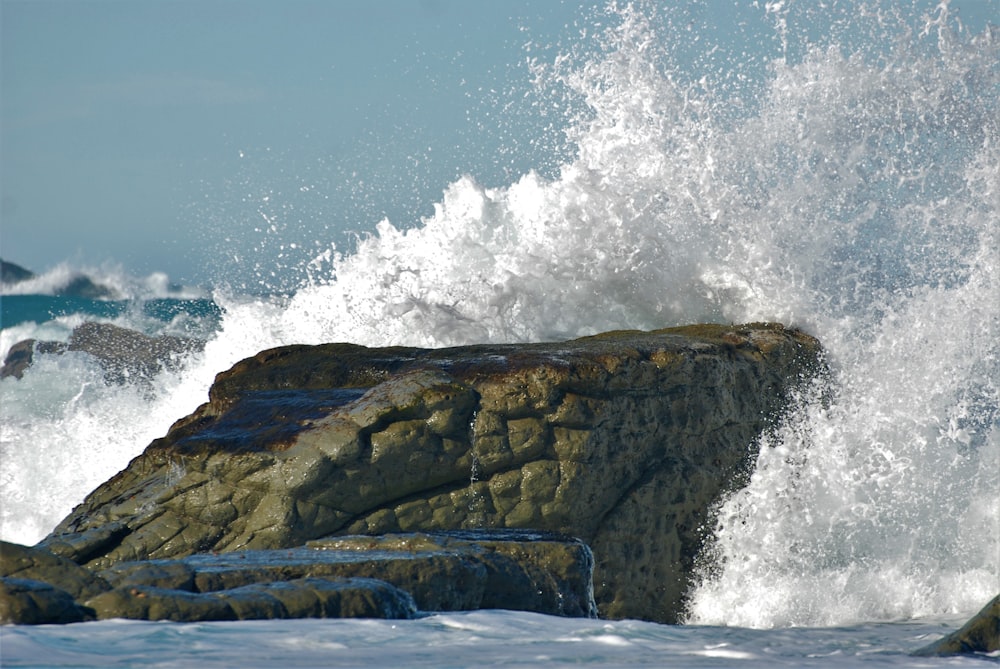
[980, 635]
[625, 440]
[30, 602]
[37, 587]
[20, 356]
[124, 354]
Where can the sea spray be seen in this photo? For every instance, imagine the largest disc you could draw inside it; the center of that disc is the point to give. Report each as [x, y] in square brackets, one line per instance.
[844, 181]
[883, 504]
[855, 195]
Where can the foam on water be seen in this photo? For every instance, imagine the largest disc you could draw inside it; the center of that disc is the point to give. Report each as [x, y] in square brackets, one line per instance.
[850, 191]
[117, 283]
[467, 639]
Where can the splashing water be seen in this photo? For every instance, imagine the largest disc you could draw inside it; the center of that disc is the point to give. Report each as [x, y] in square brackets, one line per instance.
[846, 184]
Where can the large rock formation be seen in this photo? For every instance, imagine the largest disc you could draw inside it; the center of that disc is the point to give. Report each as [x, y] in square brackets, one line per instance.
[625, 440]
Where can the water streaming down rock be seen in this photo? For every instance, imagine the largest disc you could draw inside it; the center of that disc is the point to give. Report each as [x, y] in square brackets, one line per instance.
[847, 185]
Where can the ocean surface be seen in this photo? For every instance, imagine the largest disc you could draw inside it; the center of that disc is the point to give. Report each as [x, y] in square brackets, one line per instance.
[848, 183]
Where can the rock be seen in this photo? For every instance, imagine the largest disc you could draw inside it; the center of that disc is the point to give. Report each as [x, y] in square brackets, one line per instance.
[41, 588]
[440, 572]
[625, 440]
[29, 602]
[20, 356]
[298, 598]
[980, 635]
[503, 569]
[124, 354]
[18, 359]
[24, 563]
[11, 273]
[83, 286]
[159, 604]
[82, 546]
[390, 576]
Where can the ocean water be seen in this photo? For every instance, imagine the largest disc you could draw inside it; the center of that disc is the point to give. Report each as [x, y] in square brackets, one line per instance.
[469, 639]
[843, 178]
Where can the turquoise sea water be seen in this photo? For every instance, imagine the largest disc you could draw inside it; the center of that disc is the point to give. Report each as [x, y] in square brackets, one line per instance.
[20, 309]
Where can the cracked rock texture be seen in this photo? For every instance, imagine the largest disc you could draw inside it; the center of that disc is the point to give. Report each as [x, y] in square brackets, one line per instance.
[625, 440]
[389, 576]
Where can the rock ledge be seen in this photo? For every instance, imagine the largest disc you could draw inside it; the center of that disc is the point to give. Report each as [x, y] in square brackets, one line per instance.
[391, 576]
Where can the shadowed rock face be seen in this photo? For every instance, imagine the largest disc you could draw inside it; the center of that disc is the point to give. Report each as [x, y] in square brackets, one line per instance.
[624, 440]
[37, 587]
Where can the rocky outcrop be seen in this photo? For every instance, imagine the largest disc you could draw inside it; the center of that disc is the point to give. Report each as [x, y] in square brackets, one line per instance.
[625, 440]
[37, 587]
[391, 576]
[123, 354]
[31, 602]
[11, 273]
[980, 635]
[20, 356]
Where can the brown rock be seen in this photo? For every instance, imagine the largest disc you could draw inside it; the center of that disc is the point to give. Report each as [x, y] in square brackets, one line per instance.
[625, 440]
[22, 562]
[29, 602]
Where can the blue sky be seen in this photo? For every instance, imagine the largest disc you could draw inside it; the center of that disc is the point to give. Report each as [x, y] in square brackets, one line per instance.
[147, 132]
[176, 135]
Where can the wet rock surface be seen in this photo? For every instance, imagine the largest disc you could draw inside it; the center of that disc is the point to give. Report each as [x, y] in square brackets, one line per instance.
[625, 440]
[980, 635]
[391, 576]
